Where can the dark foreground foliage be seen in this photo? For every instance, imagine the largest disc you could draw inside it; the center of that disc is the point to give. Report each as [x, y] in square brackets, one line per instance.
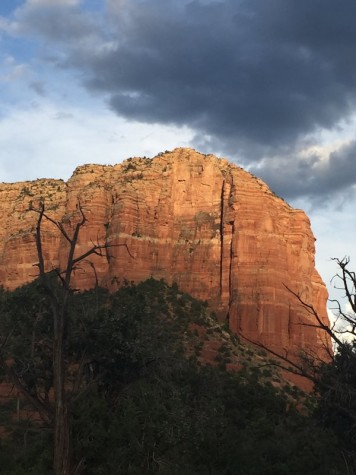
[140, 404]
[336, 408]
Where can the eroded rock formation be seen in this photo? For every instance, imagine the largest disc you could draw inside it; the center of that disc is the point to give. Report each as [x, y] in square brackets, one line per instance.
[202, 222]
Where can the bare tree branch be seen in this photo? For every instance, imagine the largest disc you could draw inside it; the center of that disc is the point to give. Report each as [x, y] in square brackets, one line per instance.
[59, 305]
[311, 310]
[43, 410]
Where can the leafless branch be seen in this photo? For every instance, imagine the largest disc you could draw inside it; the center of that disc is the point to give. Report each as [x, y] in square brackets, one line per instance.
[44, 410]
[311, 310]
[293, 366]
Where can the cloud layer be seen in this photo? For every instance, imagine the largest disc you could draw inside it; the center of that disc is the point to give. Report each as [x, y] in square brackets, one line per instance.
[256, 80]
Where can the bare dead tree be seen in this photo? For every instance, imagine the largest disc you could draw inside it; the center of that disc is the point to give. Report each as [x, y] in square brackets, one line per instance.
[345, 280]
[55, 411]
[343, 328]
[307, 363]
[58, 297]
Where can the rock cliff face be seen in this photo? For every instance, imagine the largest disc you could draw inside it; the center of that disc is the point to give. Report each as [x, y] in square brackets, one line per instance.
[199, 221]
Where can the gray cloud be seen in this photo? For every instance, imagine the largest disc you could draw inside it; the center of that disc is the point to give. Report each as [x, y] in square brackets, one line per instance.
[38, 87]
[61, 22]
[315, 177]
[245, 71]
[252, 78]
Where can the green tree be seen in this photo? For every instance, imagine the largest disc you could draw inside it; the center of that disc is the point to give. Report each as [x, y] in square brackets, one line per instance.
[144, 406]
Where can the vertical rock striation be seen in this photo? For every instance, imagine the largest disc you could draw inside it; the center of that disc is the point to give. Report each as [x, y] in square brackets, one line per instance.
[202, 222]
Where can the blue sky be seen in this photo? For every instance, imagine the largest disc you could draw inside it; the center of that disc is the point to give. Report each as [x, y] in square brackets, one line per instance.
[269, 85]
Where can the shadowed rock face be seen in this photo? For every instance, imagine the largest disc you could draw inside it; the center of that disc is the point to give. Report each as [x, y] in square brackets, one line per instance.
[202, 222]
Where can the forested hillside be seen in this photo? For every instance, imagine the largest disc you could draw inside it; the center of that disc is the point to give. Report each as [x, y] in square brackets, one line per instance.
[155, 385]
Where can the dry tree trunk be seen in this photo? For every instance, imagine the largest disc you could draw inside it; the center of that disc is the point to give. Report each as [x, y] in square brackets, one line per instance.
[58, 300]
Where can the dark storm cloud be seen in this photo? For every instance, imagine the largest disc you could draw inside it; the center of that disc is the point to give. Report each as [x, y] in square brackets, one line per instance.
[315, 176]
[256, 71]
[253, 78]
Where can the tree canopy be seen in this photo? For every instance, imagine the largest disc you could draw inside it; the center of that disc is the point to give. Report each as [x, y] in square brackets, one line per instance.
[141, 399]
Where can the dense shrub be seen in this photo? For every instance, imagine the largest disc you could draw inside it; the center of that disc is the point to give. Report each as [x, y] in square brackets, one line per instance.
[143, 406]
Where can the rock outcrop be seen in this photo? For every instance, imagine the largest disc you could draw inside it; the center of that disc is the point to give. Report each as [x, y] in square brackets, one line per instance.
[216, 230]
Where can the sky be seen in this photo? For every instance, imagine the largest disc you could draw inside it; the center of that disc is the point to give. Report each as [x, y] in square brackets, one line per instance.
[268, 84]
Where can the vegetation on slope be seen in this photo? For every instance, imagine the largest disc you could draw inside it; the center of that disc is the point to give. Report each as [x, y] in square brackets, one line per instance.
[143, 401]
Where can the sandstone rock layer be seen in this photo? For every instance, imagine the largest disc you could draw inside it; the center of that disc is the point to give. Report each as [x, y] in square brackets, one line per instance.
[202, 222]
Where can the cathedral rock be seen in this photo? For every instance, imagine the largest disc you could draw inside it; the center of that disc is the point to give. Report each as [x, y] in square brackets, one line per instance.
[216, 230]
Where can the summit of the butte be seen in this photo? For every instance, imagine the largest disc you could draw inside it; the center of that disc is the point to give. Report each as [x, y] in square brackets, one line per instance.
[216, 230]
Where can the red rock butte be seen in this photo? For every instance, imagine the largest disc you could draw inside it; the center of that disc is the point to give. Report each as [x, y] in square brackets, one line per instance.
[216, 230]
